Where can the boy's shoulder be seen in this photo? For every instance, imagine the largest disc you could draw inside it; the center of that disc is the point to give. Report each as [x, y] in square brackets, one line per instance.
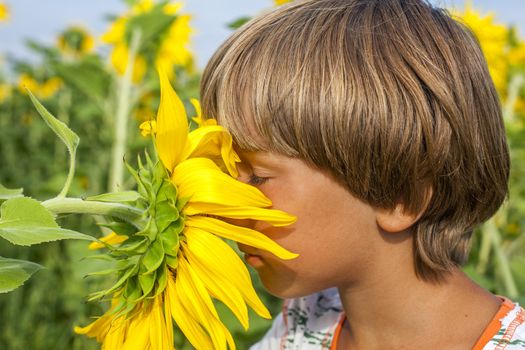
[311, 322]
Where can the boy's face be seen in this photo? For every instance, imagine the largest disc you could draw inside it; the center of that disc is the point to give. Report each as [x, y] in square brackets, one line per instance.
[334, 234]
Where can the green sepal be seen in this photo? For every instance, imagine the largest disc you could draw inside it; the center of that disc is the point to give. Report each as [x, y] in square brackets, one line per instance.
[125, 276]
[153, 257]
[14, 273]
[135, 245]
[170, 238]
[132, 291]
[172, 261]
[147, 282]
[162, 280]
[167, 192]
[103, 257]
[165, 215]
[150, 230]
[159, 176]
[121, 228]
[140, 187]
[181, 203]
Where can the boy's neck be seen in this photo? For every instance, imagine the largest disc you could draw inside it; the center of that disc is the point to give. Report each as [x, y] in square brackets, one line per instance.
[385, 313]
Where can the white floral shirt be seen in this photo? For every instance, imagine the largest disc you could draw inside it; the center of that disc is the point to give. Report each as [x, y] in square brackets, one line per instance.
[313, 323]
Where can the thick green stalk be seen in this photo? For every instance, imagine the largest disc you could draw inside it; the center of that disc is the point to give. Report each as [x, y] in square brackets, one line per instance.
[128, 213]
[484, 251]
[116, 174]
[502, 260]
[513, 92]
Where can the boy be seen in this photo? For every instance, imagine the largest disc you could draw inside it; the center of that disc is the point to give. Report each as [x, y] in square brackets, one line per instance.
[376, 123]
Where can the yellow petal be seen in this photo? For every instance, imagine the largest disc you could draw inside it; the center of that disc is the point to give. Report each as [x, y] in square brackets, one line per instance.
[272, 216]
[111, 239]
[194, 295]
[201, 180]
[115, 32]
[167, 312]
[119, 60]
[221, 289]
[148, 127]
[161, 335]
[137, 337]
[216, 258]
[172, 125]
[171, 8]
[239, 234]
[192, 330]
[213, 141]
[196, 104]
[99, 328]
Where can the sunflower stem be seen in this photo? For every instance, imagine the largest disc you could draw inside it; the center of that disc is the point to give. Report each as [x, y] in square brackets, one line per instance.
[513, 93]
[121, 124]
[127, 213]
[501, 258]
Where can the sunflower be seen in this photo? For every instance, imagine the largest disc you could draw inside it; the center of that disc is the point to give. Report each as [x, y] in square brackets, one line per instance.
[177, 262]
[4, 12]
[75, 41]
[172, 48]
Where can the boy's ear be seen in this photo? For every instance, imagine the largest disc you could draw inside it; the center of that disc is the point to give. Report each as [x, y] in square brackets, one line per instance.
[396, 220]
[399, 219]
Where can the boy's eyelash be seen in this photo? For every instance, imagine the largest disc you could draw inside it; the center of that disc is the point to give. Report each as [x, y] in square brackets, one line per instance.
[257, 180]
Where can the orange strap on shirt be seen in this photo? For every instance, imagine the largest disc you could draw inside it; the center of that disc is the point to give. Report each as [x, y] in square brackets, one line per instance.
[335, 339]
[495, 324]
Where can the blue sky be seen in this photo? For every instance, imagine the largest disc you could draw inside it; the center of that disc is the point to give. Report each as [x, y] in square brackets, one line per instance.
[43, 19]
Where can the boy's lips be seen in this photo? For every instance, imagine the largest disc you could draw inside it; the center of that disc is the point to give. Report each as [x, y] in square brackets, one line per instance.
[251, 256]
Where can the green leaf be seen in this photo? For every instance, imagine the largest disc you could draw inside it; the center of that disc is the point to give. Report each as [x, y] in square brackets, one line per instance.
[238, 22]
[151, 25]
[24, 221]
[122, 196]
[6, 193]
[13, 273]
[65, 134]
[29, 235]
[87, 76]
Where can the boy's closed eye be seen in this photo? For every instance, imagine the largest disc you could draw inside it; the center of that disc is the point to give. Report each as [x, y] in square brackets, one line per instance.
[255, 180]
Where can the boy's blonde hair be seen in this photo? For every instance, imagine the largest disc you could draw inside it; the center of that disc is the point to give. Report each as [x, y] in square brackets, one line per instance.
[392, 96]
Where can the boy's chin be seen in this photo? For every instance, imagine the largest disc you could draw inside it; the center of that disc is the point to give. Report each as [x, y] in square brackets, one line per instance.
[286, 288]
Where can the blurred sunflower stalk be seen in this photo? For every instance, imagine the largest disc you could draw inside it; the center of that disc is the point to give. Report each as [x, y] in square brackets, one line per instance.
[148, 35]
[497, 259]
